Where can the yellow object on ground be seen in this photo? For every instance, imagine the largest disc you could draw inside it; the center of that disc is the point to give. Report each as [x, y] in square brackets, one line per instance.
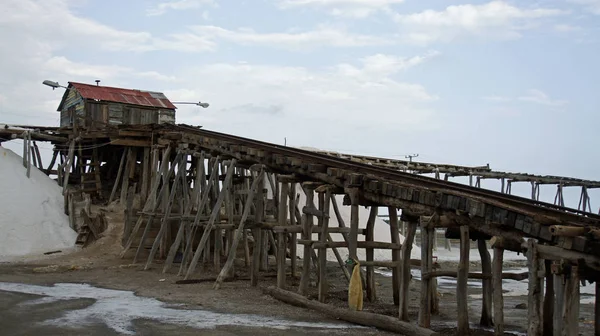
[355, 290]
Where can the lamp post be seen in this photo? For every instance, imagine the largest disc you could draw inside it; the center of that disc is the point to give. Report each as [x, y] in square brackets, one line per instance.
[201, 104]
[53, 85]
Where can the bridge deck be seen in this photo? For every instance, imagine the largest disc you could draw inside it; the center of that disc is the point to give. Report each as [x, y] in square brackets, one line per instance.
[561, 236]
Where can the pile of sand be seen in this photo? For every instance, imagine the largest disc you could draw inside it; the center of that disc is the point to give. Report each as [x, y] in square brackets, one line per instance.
[32, 219]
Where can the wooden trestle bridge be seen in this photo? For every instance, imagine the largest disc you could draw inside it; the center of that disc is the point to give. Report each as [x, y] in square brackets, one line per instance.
[202, 194]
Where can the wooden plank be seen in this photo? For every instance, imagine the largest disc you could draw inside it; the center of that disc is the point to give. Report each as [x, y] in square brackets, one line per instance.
[461, 286]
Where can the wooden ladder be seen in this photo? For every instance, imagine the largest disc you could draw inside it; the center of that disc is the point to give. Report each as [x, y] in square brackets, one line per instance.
[89, 165]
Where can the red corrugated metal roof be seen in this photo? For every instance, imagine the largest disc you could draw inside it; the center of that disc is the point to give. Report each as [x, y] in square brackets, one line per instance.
[126, 96]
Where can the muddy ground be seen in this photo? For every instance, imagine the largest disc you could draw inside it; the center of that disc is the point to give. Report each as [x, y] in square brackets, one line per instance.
[99, 265]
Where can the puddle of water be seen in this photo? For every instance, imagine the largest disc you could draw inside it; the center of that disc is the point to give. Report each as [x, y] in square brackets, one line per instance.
[117, 309]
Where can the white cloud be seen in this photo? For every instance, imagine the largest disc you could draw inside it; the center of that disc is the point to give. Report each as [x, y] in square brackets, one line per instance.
[532, 96]
[63, 67]
[321, 36]
[593, 6]
[274, 98]
[349, 8]
[565, 28]
[497, 19]
[539, 97]
[163, 7]
[498, 99]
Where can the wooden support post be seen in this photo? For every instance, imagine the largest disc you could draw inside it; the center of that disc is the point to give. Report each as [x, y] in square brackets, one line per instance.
[129, 166]
[486, 268]
[145, 174]
[294, 238]
[396, 254]
[201, 210]
[405, 270]
[149, 206]
[307, 221]
[497, 292]
[324, 200]
[68, 165]
[163, 191]
[281, 237]
[548, 309]
[211, 220]
[52, 162]
[257, 233]
[353, 237]
[461, 287]
[25, 146]
[571, 308]
[28, 153]
[597, 311]
[119, 174]
[426, 261]
[559, 304]
[168, 208]
[128, 225]
[534, 303]
[239, 232]
[38, 156]
[370, 254]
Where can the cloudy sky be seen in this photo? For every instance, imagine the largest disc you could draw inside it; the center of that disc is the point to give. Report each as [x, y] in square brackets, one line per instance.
[509, 83]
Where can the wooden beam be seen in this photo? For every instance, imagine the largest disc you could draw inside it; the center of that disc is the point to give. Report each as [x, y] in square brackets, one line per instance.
[367, 319]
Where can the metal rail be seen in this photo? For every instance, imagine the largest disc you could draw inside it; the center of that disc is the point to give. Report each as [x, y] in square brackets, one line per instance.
[424, 181]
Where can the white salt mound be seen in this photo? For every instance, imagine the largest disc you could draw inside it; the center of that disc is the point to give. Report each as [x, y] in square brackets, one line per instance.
[32, 219]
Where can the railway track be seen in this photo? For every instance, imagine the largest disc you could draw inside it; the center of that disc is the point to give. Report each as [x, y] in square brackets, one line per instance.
[559, 212]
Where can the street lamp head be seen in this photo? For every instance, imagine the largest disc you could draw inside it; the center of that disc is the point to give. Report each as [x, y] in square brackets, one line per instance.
[204, 105]
[52, 84]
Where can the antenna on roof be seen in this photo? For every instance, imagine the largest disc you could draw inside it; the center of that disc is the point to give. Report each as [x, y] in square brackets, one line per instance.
[97, 82]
